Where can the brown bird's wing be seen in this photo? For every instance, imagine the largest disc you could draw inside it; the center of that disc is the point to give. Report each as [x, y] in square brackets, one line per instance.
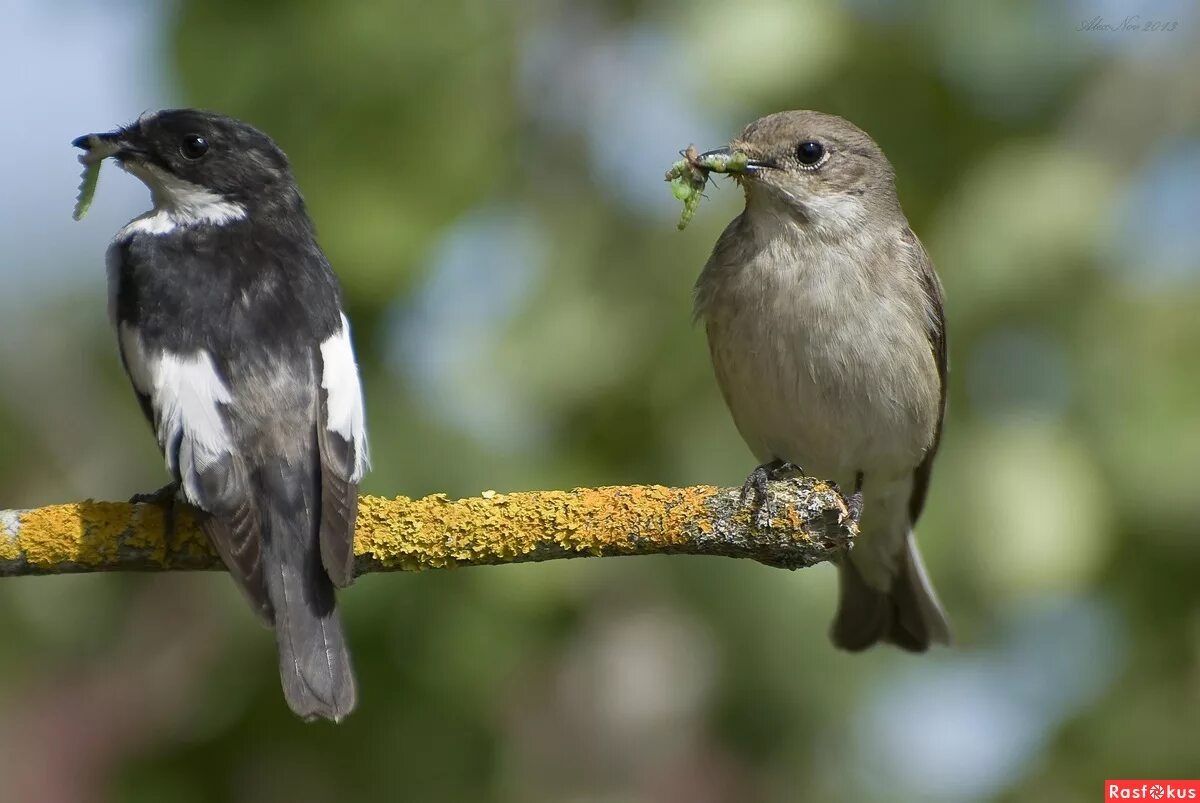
[936, 330]
[909, 614]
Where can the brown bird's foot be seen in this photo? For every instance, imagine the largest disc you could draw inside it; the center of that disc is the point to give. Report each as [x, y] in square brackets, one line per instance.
[165, 498]
[854, 502]
[756, 493]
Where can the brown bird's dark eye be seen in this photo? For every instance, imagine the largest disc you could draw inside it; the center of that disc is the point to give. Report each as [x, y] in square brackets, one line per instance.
[810, 152]
[193, 146]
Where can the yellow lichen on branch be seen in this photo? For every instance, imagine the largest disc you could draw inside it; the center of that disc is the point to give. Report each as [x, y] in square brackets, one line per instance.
[808, 526]
[504, 528]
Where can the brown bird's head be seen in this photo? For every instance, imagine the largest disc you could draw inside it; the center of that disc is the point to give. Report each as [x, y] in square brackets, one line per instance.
[816, 168]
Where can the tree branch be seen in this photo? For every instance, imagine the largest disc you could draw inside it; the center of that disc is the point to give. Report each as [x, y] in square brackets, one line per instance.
[808, 526]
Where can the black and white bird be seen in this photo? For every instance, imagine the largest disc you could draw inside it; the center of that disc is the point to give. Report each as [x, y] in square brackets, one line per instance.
[230, 327]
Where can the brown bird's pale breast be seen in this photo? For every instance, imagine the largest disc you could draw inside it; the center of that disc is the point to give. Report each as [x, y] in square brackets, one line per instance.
[822, 362]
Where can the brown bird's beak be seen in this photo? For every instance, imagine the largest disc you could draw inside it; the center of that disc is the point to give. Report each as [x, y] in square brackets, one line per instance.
[757, 164]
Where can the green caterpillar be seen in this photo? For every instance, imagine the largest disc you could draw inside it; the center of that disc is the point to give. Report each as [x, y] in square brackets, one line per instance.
[87, 186]
[689, 176]
[96, 150]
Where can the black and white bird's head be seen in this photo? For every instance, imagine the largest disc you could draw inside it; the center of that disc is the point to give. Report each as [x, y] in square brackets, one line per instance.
[199, 164]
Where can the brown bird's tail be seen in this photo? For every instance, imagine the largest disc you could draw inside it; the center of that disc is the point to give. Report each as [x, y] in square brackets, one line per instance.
[314, 663]
[909, 615]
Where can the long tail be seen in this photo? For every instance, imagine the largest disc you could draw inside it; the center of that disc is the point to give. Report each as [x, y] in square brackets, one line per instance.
[909, 615]
[314, 664]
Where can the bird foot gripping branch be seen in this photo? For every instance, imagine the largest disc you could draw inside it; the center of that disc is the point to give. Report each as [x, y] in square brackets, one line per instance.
[689, 176]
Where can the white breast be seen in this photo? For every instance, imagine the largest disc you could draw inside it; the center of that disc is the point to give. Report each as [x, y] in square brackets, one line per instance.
[823, 363]
[177, 203]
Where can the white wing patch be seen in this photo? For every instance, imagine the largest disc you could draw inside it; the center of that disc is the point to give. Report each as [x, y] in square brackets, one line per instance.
[343, 390]
[186, 394]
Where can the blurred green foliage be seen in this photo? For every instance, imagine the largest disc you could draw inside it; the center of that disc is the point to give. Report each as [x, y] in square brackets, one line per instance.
[521, 303]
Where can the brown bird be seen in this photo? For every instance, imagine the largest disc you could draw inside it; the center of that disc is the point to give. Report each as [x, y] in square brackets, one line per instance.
[825, 324]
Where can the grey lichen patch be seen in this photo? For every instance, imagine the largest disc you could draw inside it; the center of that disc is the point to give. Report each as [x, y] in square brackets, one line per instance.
[10, 530]
[10, 522]
[807, 525]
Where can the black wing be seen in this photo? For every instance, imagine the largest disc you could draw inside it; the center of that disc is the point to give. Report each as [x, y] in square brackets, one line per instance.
[233, 526]
[209, 473]
[339, 501]
[342, 443]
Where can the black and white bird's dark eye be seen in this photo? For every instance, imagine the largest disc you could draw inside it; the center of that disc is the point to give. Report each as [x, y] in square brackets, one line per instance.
[810, 153]
[193, 146]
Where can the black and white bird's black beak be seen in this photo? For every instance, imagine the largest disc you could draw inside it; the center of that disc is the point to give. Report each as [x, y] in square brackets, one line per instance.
[125, 144]
[755, 164]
